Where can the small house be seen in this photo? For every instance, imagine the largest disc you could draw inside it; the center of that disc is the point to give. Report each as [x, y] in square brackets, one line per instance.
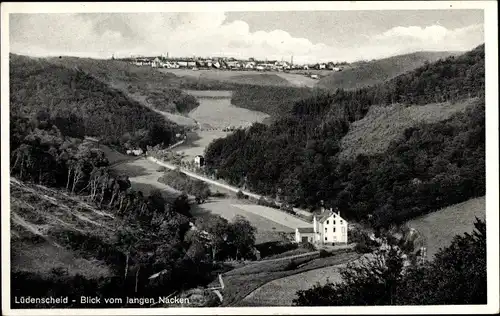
[304, 234]
[199, 161]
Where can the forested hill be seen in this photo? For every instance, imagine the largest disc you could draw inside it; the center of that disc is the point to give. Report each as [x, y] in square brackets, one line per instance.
[368, 73]
[81, 105]
[431, 166]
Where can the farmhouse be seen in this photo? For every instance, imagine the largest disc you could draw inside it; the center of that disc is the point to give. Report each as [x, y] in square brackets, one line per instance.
[328, 227]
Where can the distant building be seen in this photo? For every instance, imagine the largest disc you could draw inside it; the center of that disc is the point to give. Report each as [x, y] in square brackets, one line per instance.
[156, 63]
[135, 152]
[329, 227]
[250, 65]
[199, 161]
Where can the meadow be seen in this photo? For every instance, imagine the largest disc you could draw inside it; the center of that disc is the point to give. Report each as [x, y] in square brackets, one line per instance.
[383, 124]
[241, 282]
[440, 227]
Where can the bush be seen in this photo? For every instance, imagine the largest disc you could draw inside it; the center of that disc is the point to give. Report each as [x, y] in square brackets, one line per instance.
[219, 194]
[362, 247]
[323, 253]
[308, 246]
[240, 195]
[292, 265]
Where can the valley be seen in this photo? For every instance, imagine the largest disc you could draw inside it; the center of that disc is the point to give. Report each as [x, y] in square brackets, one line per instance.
[396, 155]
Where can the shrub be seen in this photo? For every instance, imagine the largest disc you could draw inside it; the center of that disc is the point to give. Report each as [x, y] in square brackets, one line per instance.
[362, 247]
[308, 246]
[219, 194]
[240, 195]
[292, 265]
[323, 253]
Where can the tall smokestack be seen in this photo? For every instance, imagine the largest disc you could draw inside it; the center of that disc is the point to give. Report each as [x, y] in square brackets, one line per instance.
[291, 60]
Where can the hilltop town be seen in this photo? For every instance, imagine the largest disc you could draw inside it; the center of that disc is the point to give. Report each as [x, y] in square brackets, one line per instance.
[230, 63]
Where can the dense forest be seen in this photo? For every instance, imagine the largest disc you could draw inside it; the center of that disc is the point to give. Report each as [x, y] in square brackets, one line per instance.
[81, 105]
[298, 153]
[272, 100]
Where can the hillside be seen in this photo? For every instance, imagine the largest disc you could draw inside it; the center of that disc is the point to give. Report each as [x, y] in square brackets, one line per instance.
[39, 216]
[428, 165]
[385, 124]
[363, 74]
[65, 244]
[160, 89]
[440, 227]
[275, 101]
[81, 105]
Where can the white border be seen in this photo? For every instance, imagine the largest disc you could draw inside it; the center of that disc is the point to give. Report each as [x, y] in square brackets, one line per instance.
[491, 47]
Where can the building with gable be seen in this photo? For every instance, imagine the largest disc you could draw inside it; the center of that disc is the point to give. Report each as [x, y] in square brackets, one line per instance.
[327, 228]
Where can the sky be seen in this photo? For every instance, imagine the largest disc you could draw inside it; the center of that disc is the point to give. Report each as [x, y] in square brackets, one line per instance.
[312, 36]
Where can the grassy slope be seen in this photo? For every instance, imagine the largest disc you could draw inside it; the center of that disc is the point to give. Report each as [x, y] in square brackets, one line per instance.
[36, 213]
[383, 124]
[364, 74]
[242, 281]
[439, 228]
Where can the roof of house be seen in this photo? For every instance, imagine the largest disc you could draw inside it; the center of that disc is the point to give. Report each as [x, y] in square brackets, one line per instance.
[306, 229]
[327, 214]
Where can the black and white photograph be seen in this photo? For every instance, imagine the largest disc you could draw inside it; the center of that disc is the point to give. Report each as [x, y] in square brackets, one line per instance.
[250, 158]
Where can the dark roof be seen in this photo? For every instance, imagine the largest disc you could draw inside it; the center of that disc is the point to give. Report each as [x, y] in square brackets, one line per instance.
[324, 216]
[306, 230]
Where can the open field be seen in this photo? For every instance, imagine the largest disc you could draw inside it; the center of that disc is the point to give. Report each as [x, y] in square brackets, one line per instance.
[281, 292]
[274, 215]
[267, 230]
[383, 124]
[298, 80]
[439, 228]
[144, 174]
[242, 281]
[233, 76]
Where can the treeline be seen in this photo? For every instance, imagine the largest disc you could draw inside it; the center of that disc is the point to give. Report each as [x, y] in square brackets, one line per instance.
[298, 153]
[80, 105]
[183, 183]
[272, 100]
[456, 276]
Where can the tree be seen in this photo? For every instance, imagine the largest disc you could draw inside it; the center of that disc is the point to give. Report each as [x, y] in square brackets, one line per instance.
[218, 230]
[241, 236]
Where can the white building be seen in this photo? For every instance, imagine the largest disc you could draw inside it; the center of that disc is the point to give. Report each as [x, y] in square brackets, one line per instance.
[199, 161]
[327, 228]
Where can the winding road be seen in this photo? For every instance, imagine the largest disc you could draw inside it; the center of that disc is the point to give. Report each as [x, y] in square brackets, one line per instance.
[216, 183]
